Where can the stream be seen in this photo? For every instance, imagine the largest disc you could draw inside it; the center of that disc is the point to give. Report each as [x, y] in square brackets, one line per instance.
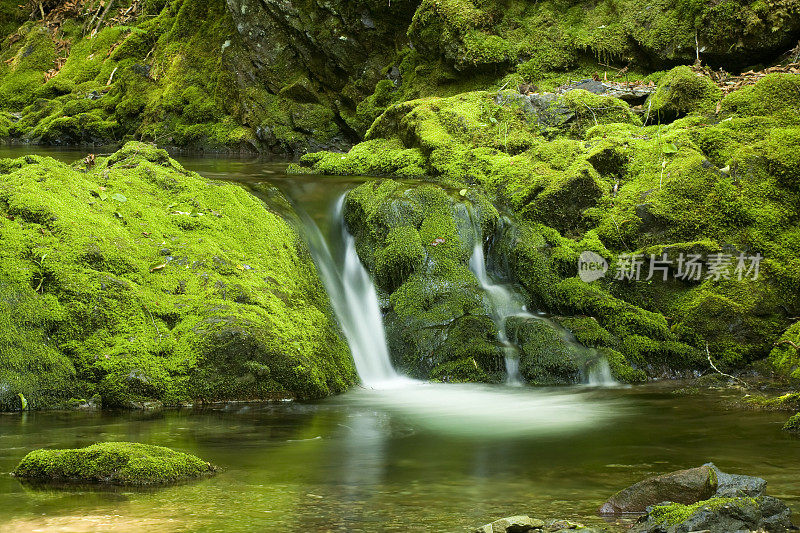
[394, 454]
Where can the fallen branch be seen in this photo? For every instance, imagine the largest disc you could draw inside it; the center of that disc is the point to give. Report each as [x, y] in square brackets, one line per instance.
[710, 362]
[790, 343]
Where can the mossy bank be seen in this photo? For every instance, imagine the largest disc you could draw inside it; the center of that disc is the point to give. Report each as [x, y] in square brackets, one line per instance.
[294, 77]
[133, 279]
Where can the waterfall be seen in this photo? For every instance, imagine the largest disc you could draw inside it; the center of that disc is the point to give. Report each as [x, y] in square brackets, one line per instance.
[355, 303]
[504, 304]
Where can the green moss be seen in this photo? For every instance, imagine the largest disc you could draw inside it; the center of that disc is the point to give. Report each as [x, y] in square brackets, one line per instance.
[785, 355]
[22, 66]
[681, 91]
[676, 513]
[775, 95]
[793, 424]
[136, 273]
[118, 463]
[546, 358]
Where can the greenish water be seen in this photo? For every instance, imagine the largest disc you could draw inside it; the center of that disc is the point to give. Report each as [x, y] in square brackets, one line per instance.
[383, 461]
[412, 458]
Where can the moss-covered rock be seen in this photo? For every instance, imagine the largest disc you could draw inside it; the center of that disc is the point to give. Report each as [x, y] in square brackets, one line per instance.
[139, 280]
[417, 242]
[718, 192]
[117, 463]
[546, 358]
[719, 514]
[793, 424]
[682, 91]
[161, 77]
[785, 355]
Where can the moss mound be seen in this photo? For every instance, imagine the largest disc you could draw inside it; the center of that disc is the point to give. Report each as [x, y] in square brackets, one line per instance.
[140, 281]
[118, 463]
[680, 92]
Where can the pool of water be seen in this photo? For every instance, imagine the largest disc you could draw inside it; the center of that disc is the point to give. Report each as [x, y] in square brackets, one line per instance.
[411, 457]
[418, 458]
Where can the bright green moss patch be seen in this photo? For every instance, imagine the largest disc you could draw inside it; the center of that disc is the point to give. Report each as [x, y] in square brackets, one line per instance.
[118, 463]
[141, 281]
[675, 513]
[785, 355]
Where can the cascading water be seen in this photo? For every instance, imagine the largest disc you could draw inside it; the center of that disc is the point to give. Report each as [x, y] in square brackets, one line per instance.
[468, 410]
[504, 304]
[355, 303]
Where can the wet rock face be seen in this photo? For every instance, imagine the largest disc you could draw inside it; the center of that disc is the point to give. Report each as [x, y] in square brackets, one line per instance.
[417, 242]
[306, 66]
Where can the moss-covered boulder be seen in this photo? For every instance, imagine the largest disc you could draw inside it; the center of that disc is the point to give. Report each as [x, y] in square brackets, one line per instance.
[785, 355]
[546, 358]
[117, 463]
[718, 515]
[793, 424]
[138, 280]
[682, 91]
[417, 242]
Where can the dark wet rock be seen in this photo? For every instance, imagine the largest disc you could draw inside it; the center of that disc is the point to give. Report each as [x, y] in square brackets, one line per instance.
[718, 515]
[546, 358]
[733, 485]
[684, 486]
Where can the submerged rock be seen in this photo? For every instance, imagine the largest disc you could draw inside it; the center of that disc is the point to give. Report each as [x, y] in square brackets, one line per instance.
[524, 524]
[118, 463]
[512, 524]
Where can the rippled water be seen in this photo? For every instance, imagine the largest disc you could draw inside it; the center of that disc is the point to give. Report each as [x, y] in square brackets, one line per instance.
[415, 457]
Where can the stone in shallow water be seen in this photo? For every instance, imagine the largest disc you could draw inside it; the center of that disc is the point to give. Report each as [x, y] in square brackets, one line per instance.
[118, 463]
[512, 524]
[683, 486]
[718, 515]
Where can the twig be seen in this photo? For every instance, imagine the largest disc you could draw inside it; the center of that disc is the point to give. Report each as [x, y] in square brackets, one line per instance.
[710, 362]
[112, 76]
[103, 16]
[790, 343]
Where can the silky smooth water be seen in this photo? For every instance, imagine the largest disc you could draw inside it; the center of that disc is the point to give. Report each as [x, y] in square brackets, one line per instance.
[401, 456]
